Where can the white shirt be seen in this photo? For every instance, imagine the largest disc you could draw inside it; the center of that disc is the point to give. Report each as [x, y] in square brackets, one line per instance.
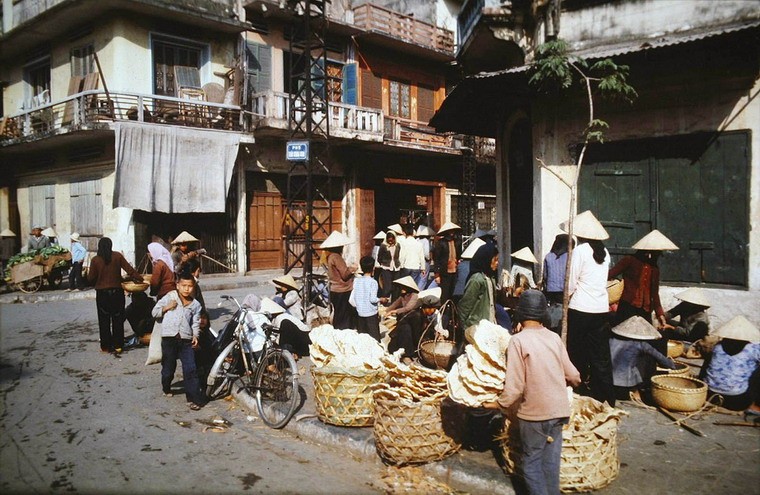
[412, 255]
[588, 281]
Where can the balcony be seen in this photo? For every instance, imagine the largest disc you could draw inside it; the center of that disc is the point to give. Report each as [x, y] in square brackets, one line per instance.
[270, 115]
[374, 18]
[94, 109]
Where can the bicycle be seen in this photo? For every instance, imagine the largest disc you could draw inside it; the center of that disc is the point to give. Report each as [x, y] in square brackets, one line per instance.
[265, 371]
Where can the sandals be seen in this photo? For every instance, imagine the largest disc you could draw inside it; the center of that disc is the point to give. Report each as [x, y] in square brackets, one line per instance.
[195, 407]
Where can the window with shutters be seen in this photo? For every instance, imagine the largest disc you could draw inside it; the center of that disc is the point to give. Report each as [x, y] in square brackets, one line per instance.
[87, 212]
[259, 58]
[37, 79]
[42, 205]
[400, 99]
[82, 60]
[173, 59]
[372, 90]
[425, 104]
[693, 189]
[348, 81]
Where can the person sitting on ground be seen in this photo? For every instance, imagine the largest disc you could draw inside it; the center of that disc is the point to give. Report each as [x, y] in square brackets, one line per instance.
[180, 331]
[138, 314]
[408, 319]
[364, 299]
[693, 323]
[288, 295]
[521, 273]
[633, 360]
[162, 280]
[538, 372]
[293, 332]
[732, 371]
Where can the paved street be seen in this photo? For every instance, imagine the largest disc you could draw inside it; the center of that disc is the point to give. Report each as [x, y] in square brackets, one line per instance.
[74, 419]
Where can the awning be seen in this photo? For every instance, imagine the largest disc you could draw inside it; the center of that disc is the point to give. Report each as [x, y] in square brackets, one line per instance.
[476, 104]
[173, 169]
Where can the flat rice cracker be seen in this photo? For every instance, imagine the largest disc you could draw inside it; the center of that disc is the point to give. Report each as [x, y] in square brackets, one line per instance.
[483, 368]
[492, 340]
[471, 381]
[459, 393]
[318, 358]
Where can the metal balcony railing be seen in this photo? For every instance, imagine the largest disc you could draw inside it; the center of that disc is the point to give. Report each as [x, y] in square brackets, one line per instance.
[93, 107]
[375, 18]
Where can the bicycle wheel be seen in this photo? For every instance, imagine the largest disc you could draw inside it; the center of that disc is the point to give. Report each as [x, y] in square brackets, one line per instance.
[276, 386]
[224, 371]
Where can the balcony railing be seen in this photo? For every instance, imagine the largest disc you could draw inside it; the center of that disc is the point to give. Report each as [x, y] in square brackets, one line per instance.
[93, 107]
[347, 119]
[417, 133]
[373, 17]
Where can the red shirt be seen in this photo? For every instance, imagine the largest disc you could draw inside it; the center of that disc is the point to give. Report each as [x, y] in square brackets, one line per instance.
[642, 284]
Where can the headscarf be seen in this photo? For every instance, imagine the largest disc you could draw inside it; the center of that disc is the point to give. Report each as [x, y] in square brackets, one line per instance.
[105, 249]
[481, 261]
[252, 301]
[159, 252]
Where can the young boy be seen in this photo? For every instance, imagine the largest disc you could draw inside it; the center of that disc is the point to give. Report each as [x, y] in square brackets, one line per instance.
[180, 330]
[538, 370]
[364, 299]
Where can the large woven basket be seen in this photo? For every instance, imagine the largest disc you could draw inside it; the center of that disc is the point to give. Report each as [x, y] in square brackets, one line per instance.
[614, 290]
[589, 459]
[438, 353]
[343, 397]
[417, 432]
[675, 348]
[682, 369]
[678, 392]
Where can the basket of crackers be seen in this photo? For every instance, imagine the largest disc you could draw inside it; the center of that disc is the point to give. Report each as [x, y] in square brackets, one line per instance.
[415, 422]
[345, 365]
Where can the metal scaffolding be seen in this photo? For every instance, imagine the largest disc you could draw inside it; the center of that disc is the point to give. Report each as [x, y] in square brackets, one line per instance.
[467, 199]
[308, 205]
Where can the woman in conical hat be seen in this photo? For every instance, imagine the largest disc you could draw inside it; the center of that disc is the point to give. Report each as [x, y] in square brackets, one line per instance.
[693, 323]
[409, 319]
[521, 273]
[478, 301]
[733, 369]
[287, 295]
[341, 277]
[633, 359]
[446, 252]
[641, 277]
[587, 335]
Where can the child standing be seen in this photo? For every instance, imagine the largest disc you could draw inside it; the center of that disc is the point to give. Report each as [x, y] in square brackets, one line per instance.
[364, 299]
[538, 370]
[180, 331]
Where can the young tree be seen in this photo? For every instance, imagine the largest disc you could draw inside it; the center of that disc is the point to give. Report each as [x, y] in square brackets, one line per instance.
[554, 72]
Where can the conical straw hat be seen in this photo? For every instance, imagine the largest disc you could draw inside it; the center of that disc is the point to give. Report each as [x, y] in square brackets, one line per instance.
[694, 296]
[335, 239]
[472, 248]
[287, 281]
[380, 236]
[586, 225]
[655, 241]
[396, 228]
[49, 232]
[739, 328]
[7, 233]
[424, 231]
[184, 237]
[407, 282]
[447, 227]
[637, 328]
[271, 307]
[525, 254]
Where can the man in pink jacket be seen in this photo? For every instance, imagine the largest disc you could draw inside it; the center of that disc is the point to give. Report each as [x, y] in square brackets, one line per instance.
[538, 372]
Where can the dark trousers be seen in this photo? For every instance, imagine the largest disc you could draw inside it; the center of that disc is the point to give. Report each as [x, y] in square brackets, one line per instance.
[294, 339]
[110, 304]
[407, 334]
[588, 345]
[344, 313]
[75, 276]
[173, 348]
[448, 282]
[369, 325]
[387, 277]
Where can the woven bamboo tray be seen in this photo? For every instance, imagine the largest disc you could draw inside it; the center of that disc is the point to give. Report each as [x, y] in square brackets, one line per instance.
[675, 348]
[134, 287]
[678, 392]
[417, 432]
[343, 397]
[589, 459]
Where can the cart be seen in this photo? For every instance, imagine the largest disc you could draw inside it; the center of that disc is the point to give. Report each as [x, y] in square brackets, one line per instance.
[29, 276]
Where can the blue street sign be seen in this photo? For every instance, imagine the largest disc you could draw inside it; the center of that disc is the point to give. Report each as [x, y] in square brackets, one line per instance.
[297, 151]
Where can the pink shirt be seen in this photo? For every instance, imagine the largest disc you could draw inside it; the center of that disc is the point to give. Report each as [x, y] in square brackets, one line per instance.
[538, 370]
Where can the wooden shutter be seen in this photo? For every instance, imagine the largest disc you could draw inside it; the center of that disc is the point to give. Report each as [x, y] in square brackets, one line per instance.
[349, 84]
[42, 205]
[87, 212]
[259, 67]
[372, 90]
[425, 104]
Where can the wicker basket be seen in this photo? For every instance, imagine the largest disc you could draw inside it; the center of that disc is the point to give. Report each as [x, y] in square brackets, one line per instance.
[682, 369]
[147, 277]
[343, 397]
[417, 432]
[439, 353]
[589, 459]
[675, 348]
[614, 290]
[134, 286]
[678, 392]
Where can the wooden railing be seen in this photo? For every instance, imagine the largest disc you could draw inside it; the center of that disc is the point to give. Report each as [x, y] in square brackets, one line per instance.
[411, 131]
[373, 17]
[90, 107]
